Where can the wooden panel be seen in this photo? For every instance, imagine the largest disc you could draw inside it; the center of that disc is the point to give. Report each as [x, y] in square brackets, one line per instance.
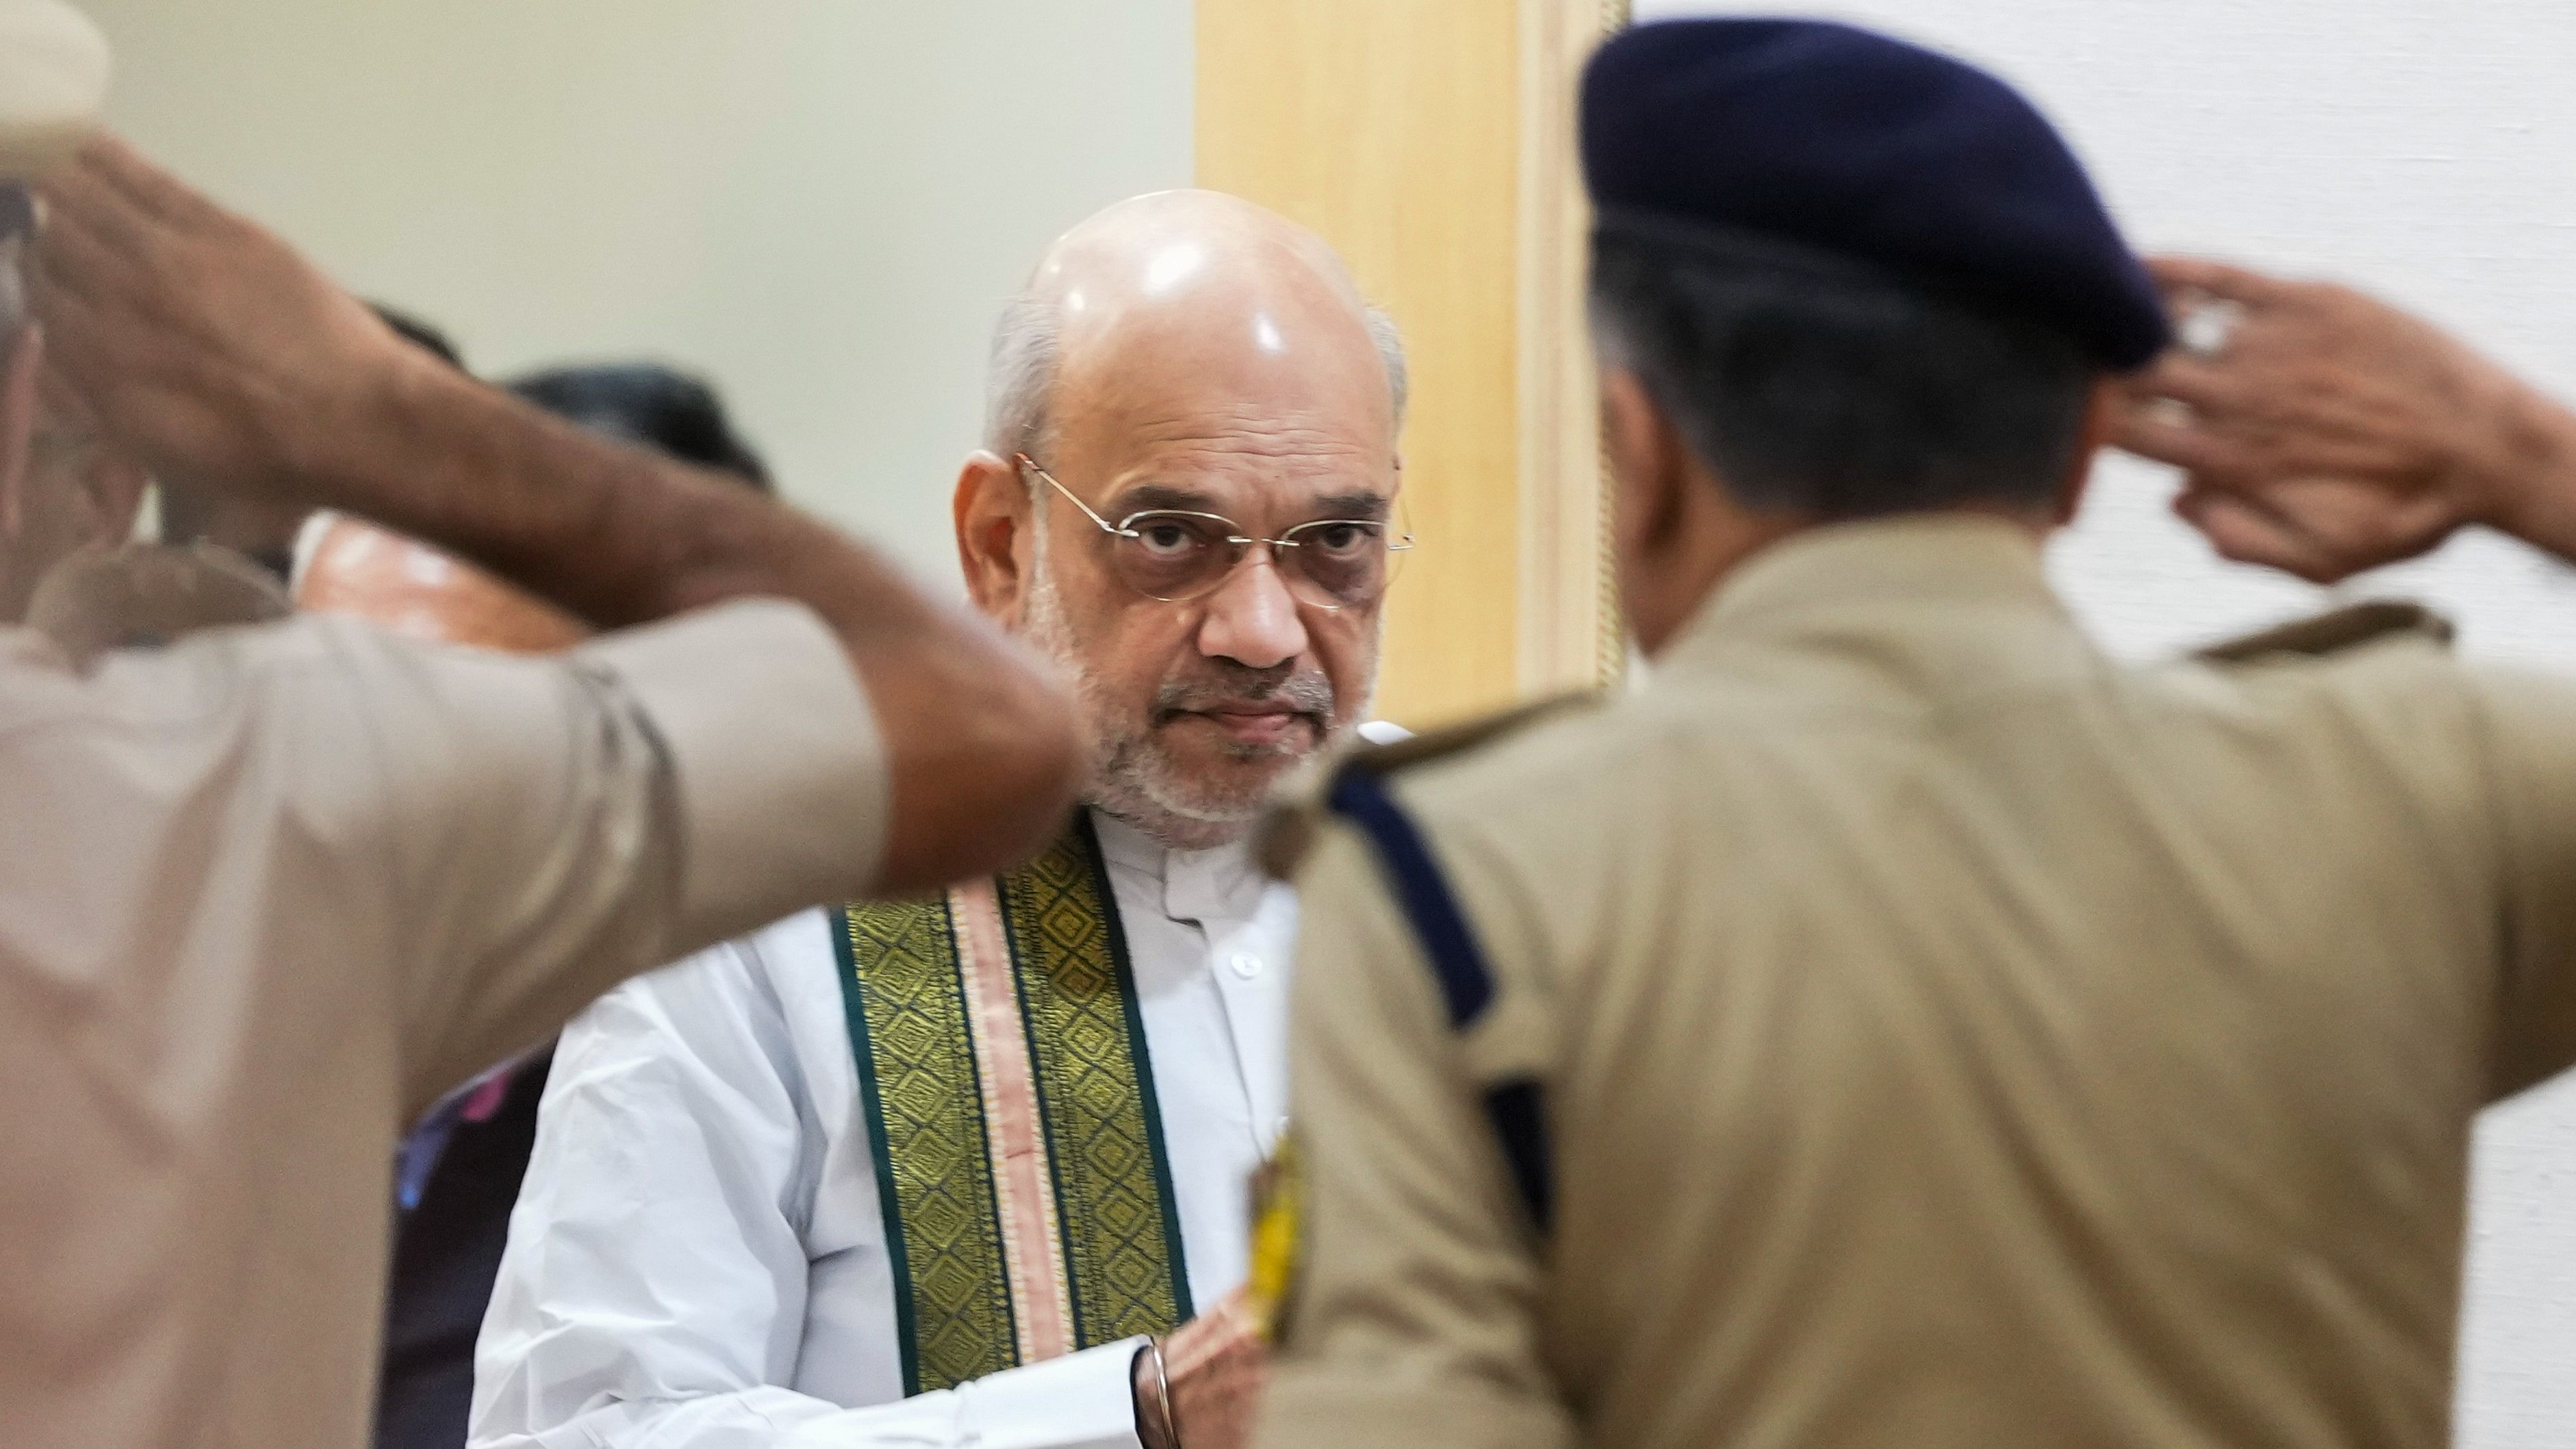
[1570, 634]
[1393, 128]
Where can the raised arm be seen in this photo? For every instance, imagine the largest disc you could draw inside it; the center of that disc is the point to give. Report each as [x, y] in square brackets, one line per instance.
[2323, 432]
[217, 354]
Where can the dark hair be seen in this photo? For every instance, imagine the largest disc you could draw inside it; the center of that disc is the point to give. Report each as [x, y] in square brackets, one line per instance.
[642, 402]
[1840, 395]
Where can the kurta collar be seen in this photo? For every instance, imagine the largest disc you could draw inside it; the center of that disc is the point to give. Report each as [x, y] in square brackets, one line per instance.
[1218, 884]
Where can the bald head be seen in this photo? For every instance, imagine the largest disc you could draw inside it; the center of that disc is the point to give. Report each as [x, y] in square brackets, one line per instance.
[1184, 281]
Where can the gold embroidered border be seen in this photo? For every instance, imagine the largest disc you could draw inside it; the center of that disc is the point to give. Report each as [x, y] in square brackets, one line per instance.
[924, 1062]
[1122, 1246]
[919, 1089]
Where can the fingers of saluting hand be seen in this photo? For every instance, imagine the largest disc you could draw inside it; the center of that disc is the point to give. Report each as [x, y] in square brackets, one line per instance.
[2241, 529]
[2207, 384]
[74, 258]
[2210, 277]
[82, 204]
[2156, 430]
[107, 163]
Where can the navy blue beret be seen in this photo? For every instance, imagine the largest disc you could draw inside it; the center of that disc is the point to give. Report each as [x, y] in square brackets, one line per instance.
[1809, 137]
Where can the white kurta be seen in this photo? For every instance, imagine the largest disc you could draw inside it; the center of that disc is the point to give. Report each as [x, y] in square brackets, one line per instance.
[698, 1258]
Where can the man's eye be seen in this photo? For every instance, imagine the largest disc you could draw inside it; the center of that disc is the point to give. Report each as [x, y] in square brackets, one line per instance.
[1167, 537]
[1342, 537]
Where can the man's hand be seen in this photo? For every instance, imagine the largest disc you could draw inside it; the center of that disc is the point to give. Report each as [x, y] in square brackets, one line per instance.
[1215, 1365]
[2328, 432]
[203, 343]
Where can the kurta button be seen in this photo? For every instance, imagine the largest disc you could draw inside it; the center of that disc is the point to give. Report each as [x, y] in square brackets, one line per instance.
[1246, 965]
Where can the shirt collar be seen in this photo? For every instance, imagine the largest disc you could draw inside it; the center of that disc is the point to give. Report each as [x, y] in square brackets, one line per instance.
[1929, 558]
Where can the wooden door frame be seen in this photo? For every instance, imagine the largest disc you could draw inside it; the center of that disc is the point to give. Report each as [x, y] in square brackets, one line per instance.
[1338, 112]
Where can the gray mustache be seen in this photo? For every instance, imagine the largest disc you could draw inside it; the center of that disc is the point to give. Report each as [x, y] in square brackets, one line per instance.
[1309, 693]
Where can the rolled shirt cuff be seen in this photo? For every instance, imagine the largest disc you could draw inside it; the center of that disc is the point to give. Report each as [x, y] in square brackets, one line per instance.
[778, 760]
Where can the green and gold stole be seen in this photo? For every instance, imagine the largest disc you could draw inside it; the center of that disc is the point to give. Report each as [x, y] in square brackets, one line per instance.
[1020, 1165]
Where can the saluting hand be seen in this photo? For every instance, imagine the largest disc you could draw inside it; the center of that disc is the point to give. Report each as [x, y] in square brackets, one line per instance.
[2327, 432]
[1215, 1364]
[200, 341]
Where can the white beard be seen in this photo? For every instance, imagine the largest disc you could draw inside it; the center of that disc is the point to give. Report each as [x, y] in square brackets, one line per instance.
[1131, 776]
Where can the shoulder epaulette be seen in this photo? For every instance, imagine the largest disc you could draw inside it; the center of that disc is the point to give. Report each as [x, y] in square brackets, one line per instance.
[1288, 832]
[2333, 632]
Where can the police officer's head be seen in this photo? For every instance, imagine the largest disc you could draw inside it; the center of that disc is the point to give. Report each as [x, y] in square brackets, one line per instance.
[1836, 277]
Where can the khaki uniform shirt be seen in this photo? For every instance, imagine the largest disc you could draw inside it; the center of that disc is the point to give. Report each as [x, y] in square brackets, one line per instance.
[1949, 1037]
[266, 893]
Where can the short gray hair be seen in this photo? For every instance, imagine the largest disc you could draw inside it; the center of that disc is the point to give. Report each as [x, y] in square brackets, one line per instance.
[1028, 344]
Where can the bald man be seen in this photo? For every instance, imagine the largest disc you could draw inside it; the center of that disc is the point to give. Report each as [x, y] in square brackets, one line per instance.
[973, 1170]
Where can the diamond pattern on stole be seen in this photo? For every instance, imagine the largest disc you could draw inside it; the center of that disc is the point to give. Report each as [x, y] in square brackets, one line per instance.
[1096, 1089]
[917, 1073]
[919, 1078]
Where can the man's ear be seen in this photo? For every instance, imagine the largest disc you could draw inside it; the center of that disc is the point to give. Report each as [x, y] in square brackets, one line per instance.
[2101, 415]
[1646, 462]
[996, 547]
[18, 428]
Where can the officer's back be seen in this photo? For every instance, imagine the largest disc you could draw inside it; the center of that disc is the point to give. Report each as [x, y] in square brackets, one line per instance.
[1900, 1024]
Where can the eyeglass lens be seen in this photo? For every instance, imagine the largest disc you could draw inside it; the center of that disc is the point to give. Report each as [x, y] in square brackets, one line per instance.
[1332, 564]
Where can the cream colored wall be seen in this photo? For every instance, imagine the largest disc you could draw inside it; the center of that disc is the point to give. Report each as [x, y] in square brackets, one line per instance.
[818, 203]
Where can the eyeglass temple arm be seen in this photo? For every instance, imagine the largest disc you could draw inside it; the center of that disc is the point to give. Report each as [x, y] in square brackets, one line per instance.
[1106, 526]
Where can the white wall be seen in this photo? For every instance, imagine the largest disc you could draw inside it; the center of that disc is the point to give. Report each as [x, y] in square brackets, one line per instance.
[818, 203]
[2424, 149]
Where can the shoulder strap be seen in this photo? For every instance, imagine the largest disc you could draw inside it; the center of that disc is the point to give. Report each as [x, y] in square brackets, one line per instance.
[2332, 632]
[1515, 1107]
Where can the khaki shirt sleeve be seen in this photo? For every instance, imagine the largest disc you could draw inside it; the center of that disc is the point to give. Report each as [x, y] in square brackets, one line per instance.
[1414, 1318]
[2531, 723]
[554, 826]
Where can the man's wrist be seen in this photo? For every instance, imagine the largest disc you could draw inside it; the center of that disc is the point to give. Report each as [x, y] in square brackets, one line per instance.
[365, 450]
[1153, 1398]
[2523, 483]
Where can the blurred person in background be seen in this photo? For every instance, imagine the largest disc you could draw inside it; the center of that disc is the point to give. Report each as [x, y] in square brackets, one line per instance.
[457, 1173]
[268, 892]
[973, 1170]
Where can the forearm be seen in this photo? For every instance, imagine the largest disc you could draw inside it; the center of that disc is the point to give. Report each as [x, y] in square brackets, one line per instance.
[617, 534]
[978, 735]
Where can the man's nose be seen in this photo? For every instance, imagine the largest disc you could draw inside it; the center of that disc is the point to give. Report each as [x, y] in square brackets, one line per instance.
[1252, 620]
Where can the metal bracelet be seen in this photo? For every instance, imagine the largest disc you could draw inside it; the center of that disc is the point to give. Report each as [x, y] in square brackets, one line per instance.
[1163, 1397]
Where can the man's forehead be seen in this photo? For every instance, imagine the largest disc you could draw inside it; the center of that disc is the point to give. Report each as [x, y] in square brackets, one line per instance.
[1282, 462]
[1128, 404]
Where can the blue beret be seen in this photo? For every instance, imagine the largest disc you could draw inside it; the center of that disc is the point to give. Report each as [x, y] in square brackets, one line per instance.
[1806, 138]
